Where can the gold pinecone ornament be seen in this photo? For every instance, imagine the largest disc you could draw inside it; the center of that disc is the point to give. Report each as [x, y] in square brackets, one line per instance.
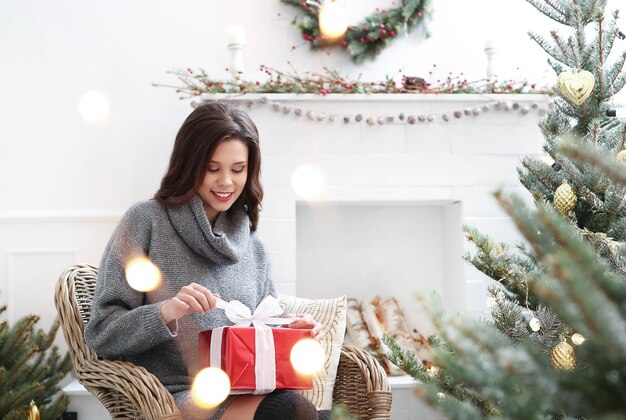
[564, 198]
[563, 356]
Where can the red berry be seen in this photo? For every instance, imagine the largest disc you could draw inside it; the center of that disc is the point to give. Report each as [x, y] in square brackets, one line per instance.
[381, 26]
[361, 40]
[384, 32]
[392, 33]
[365, 28]
[419, 14]
[344, 43]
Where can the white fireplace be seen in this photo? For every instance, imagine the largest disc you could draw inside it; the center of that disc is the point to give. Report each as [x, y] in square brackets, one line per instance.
[389, 221]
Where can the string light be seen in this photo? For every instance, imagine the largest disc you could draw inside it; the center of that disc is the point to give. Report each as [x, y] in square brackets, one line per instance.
[210, 387]
[143, 275]
[332, 20]
[95, 107]
[535, 325]
[617, 113]
[578, 339]
[307, 356]
[307, 181]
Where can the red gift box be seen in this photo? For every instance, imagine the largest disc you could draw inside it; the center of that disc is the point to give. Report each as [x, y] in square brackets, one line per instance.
[238, 357]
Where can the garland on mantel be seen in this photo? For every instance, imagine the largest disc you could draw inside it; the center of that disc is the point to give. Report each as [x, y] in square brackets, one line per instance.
[196, 83]
[400, 118]
[368, 38]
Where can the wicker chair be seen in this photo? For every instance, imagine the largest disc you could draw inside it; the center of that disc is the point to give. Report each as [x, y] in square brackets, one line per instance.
[130, 391]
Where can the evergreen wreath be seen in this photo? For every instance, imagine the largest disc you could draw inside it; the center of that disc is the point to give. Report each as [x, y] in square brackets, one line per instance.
[368, 38]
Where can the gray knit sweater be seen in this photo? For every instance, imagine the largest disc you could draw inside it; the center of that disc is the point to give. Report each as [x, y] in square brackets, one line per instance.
[227, 258]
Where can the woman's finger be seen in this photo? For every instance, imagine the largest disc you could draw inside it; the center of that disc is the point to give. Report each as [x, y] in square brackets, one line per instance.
[194, 305]
[199, 296]
[210, 297]
[179, 304]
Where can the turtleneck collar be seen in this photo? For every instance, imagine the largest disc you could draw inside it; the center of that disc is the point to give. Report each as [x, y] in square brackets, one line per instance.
[223, 243]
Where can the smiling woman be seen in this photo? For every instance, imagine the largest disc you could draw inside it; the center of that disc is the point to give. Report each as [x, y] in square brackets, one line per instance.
[199, 234]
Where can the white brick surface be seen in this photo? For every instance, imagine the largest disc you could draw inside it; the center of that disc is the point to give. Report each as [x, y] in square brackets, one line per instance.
[389, 139]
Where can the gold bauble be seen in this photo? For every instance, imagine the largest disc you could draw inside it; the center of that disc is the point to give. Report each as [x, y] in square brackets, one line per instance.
[563, 356]
[621, 157]
[575, 87]
[33, 411]
[564, 198]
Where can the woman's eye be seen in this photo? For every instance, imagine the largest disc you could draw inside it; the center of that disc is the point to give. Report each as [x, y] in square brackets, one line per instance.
[237, 171]
[213, 170]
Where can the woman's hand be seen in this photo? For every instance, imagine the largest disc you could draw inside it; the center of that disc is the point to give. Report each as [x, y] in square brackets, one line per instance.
[191, 298]
[306, 321]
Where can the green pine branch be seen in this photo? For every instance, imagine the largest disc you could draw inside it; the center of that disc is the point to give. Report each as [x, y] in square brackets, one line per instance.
[31, 370]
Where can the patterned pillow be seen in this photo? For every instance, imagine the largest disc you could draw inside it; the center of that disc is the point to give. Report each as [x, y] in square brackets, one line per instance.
[331, 313]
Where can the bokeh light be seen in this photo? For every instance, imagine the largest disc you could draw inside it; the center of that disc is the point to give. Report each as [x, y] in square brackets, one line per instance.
[142, 274]
[95, 107]
[333, 20]
[307, 181]
[307, 356]
[210, 387]
[578, 339]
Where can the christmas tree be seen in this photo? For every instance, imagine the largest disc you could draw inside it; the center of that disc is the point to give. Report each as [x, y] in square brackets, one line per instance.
[30, 370]
[555, 345]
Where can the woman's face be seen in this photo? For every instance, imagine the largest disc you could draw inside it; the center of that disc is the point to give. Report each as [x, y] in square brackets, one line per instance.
[225, 177]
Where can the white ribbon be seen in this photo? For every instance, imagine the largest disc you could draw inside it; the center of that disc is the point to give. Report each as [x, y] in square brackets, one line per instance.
[265, 354]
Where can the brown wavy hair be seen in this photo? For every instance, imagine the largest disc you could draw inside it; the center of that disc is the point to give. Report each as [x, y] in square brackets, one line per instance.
[207, 126]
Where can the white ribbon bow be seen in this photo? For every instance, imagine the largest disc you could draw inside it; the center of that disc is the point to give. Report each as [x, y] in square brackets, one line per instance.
[265, 360]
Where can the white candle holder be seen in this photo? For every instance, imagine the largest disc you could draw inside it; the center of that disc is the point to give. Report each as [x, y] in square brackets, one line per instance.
[490, 71]
[236, 59]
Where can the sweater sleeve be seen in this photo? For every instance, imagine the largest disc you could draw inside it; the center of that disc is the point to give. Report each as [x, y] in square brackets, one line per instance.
[122, 323]
[268, 286]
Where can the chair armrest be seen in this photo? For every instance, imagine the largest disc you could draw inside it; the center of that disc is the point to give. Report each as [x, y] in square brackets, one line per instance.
[361, 385]
[124, 387]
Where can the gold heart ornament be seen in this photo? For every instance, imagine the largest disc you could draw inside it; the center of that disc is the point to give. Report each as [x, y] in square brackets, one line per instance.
[576, 87]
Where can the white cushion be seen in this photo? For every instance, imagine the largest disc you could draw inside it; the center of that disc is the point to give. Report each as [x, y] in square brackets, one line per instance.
[331, 313]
